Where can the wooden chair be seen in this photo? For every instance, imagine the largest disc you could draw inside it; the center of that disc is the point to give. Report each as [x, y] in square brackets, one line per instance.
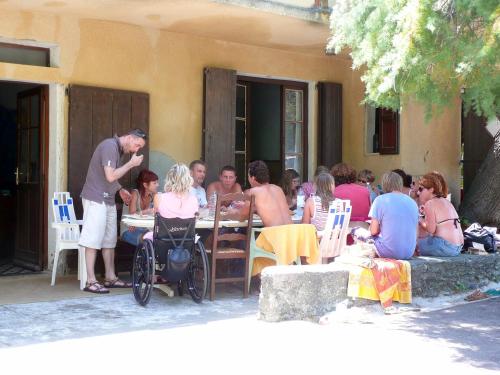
[67, 233]
[221, 253]
[333, 238]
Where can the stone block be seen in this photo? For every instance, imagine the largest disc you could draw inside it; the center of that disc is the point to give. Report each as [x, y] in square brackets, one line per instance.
[308, 292]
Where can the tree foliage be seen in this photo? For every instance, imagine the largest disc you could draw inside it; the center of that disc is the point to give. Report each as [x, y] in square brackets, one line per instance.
[429, 50]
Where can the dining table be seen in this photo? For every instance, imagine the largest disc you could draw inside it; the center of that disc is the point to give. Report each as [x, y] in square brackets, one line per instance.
[147, 221]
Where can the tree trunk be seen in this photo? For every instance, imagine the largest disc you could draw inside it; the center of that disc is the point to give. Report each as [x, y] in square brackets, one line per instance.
[482, 201]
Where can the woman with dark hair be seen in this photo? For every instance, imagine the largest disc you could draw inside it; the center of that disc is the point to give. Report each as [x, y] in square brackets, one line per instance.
[366, 178]
[439, 219]
[406, 181]
[290, 181]
[347, 188]
[141, 203]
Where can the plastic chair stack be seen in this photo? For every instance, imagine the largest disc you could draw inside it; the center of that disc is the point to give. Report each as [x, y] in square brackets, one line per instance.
[67, 233]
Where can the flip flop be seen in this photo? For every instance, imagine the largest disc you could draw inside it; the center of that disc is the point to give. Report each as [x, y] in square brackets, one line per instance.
[117, 283]
[98, 288]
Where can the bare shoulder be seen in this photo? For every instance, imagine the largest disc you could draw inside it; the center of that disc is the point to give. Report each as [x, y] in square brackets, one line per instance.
[276, 189]
[213, 185]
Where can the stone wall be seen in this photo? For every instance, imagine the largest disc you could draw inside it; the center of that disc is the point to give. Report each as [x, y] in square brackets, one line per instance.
[307, 292]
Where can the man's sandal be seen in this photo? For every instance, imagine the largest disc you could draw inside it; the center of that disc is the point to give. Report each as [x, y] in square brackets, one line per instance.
[116, 283]
[95, 287]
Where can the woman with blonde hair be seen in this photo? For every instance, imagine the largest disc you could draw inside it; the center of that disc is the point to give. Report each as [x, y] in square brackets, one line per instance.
[444, 237]
[176, 201]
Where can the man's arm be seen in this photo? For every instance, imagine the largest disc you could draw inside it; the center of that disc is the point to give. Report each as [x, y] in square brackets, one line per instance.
[113, 174]
[210, 190]
[374, 227]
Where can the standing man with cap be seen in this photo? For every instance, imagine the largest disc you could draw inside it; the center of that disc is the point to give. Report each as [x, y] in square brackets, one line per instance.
[99, 231]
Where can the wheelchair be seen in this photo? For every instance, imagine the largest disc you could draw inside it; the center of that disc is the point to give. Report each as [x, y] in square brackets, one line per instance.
[175, 255]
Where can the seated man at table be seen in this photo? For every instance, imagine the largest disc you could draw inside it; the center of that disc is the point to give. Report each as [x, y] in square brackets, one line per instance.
[393, 228]
[270, 201]
[227, 183]
[198, 170]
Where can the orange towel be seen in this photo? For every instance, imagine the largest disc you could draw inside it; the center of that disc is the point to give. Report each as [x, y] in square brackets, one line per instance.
[386, 280]
[288, 242]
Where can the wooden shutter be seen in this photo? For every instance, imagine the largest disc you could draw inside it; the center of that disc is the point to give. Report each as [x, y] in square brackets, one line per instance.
[94, 115]
[388, 126]
[219, 111]
[329, 123]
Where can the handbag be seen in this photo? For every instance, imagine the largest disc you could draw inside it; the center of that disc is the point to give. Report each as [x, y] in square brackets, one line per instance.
[477, 234]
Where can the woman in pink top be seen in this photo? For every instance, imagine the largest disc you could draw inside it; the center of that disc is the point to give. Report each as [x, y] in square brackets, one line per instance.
[176, 201]
[346, 188]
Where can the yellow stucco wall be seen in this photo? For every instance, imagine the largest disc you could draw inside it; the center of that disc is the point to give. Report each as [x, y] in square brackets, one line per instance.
[169, 67]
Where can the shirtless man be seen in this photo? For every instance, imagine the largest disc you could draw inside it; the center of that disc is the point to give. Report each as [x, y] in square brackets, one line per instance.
[270, 201]
[227, 183]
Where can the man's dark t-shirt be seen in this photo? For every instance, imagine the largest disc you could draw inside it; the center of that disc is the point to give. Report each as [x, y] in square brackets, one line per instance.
[96, 187]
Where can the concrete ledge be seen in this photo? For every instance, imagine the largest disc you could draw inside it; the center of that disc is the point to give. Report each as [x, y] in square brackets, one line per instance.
[307, 292]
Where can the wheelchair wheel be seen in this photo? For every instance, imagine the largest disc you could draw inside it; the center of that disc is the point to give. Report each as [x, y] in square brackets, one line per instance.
[143, 272]
[198, 274]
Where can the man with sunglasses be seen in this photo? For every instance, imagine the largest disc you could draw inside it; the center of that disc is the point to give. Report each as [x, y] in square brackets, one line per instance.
[99, 229]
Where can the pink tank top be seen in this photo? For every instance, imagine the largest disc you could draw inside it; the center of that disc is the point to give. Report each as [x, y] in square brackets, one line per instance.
[172, 205]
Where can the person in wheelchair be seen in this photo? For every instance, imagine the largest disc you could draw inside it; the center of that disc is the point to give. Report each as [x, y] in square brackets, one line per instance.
[176, 201]
[173, 237]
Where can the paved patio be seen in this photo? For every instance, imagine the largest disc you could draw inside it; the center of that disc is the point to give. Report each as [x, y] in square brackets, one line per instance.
[115, 335]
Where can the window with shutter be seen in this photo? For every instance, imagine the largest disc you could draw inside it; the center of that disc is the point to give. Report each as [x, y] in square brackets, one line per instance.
[381, 131]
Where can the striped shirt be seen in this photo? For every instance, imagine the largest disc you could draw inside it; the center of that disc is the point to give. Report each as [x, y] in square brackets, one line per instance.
[320, 215]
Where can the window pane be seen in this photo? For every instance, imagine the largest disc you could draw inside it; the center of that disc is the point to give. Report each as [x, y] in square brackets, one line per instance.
[240, 101]
[240, 135]
[293, 137]
[14, 54]
[240, 165]
[294, 162]
[293, 105]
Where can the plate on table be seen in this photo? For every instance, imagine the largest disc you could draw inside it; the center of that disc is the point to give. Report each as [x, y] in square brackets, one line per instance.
[138, 217]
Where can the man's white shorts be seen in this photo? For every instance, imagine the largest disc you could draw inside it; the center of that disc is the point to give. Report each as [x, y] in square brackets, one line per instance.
[99, 229]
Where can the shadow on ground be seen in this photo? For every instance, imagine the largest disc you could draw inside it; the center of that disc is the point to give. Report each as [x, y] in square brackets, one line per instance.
[472, 329]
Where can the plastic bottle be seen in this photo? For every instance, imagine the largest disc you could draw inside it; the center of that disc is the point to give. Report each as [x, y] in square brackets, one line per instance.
[212, 203]
[301, 201]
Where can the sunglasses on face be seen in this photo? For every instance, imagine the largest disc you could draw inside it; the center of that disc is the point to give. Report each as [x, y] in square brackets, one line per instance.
[420, 188]
[138, 133]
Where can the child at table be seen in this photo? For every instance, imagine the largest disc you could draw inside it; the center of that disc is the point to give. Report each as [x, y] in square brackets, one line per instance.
[316, 208]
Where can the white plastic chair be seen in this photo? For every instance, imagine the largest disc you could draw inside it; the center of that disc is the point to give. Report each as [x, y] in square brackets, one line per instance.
[334, 236]
[67, 233]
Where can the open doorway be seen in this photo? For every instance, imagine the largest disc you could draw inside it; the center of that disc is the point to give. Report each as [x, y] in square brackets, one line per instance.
[271, 125]
[23, 136]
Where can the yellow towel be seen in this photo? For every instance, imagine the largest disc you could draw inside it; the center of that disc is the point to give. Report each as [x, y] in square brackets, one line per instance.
[288, 242]
[387, 280]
